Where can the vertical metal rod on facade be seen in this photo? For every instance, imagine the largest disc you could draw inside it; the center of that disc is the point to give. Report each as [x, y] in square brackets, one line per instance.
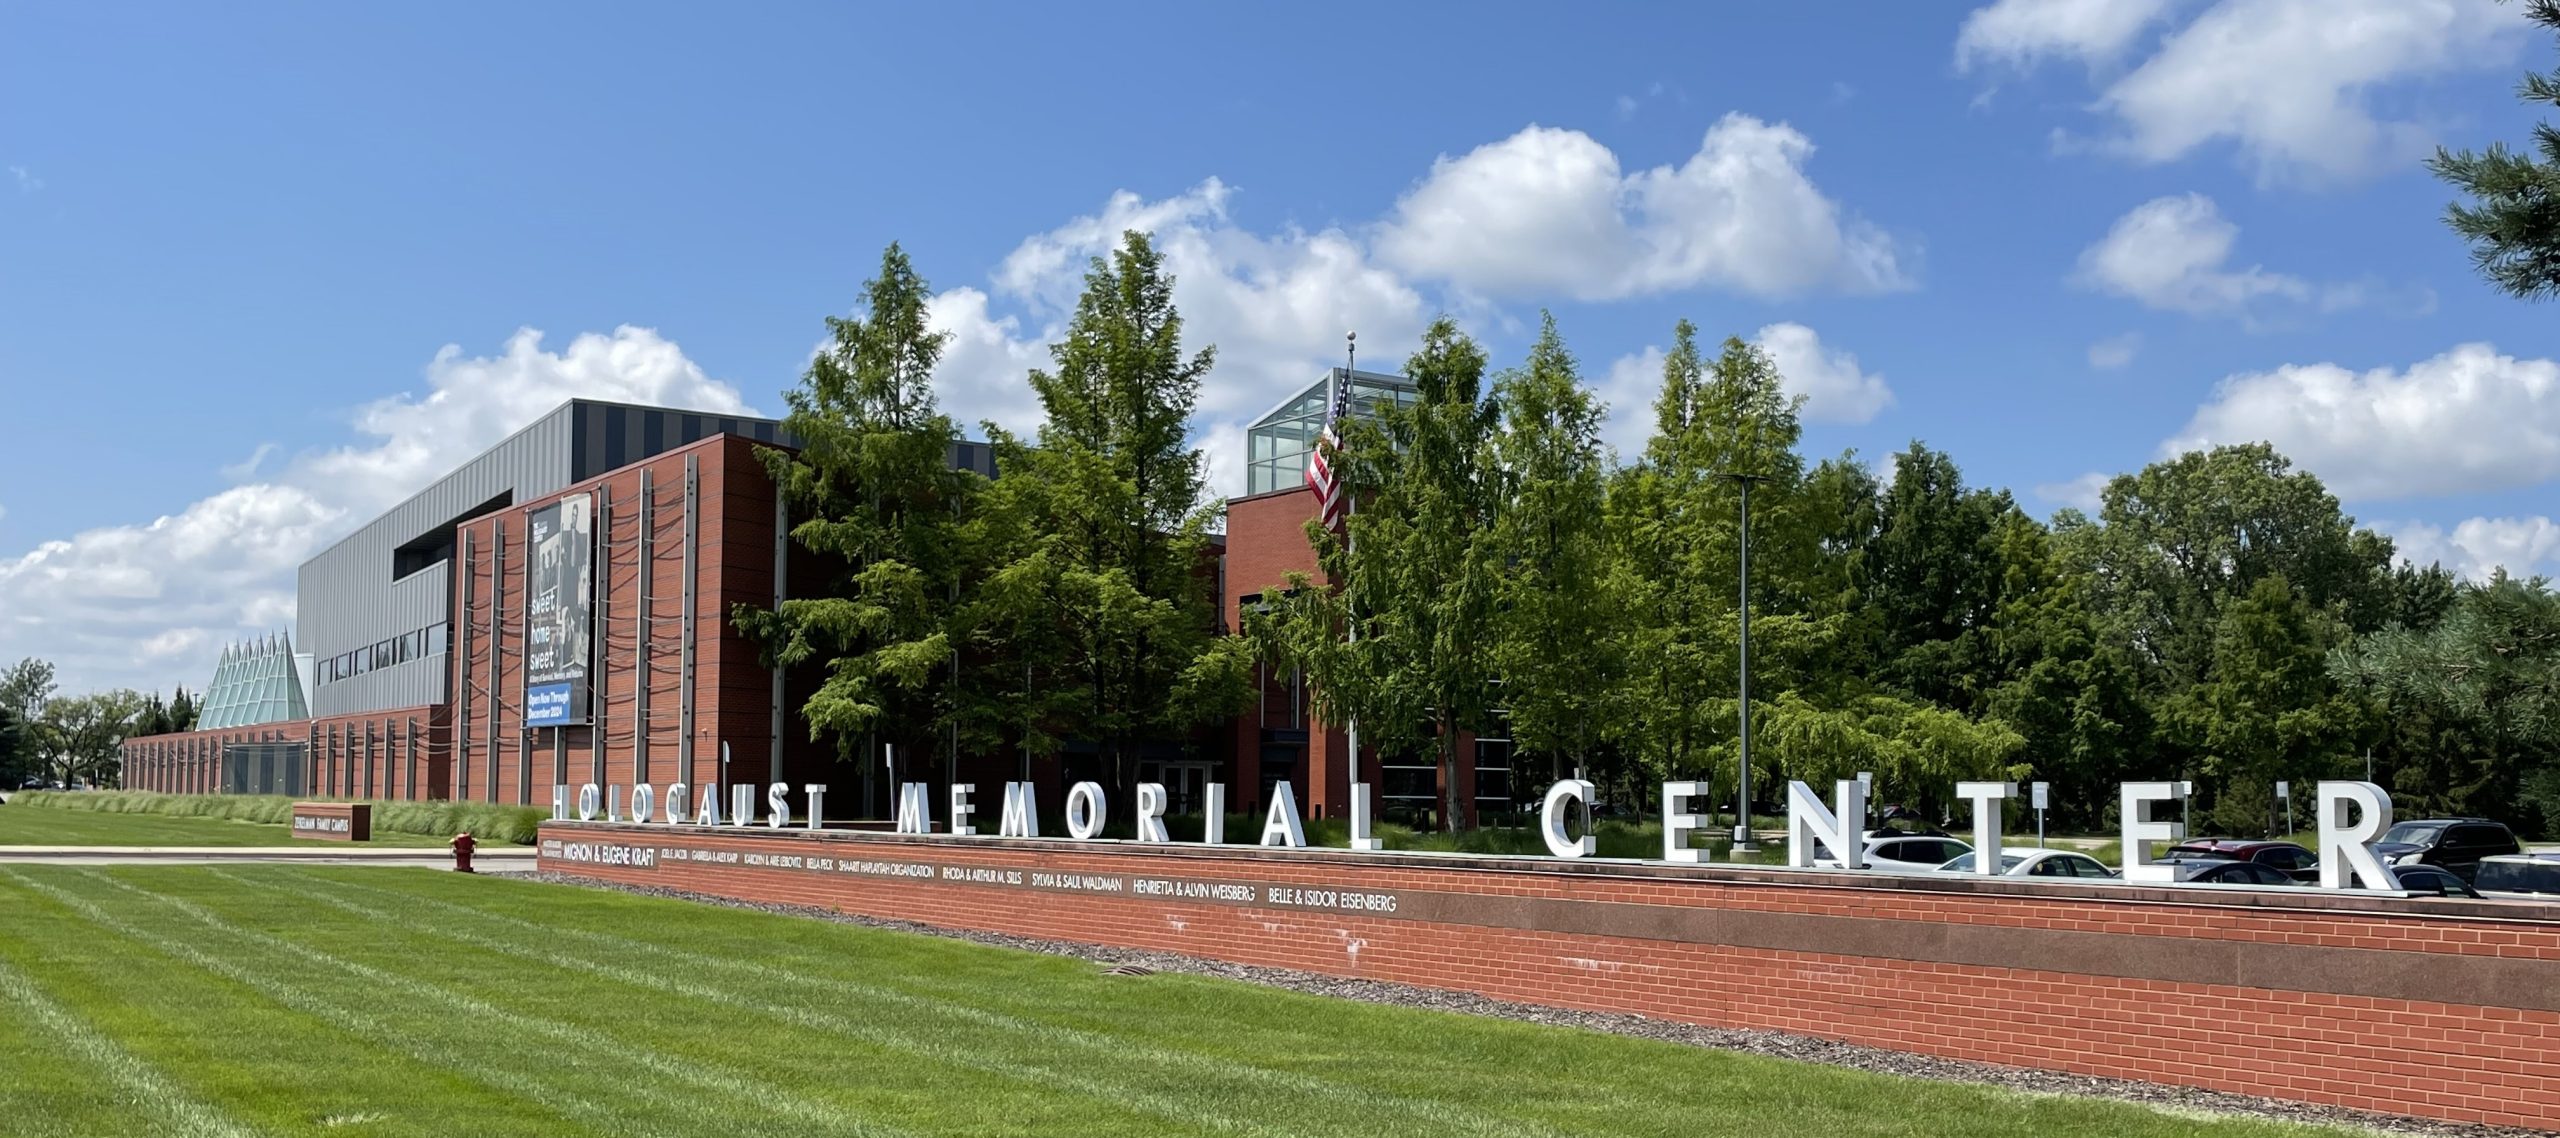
[685, 649]
[461, 734]
[497, 643]
[524, 674]
[781, 576]
[648, 547]
[409, 756]
[599, 661]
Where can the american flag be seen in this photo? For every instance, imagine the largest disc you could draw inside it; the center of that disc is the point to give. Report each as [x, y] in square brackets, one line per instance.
[1332, 503]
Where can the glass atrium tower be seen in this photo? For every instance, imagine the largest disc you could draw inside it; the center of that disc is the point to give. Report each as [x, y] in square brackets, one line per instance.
[256, 682]
[1279, 443]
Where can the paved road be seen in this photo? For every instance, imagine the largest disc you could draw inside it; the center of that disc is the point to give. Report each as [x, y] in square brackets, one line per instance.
[512, 859]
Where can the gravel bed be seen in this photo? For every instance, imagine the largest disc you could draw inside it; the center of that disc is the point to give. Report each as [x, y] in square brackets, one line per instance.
[1772, 1043]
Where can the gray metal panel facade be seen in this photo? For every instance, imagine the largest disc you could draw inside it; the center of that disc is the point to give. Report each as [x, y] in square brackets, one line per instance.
[349, 599]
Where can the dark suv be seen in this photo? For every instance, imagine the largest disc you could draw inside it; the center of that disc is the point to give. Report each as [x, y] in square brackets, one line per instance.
[2454, 845]
[2293, 861]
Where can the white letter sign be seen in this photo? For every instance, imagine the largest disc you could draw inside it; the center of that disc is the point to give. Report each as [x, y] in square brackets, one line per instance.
[1808, 823]
[1213, 817]
[2342, 843]
[915, 808]
[1282, 822]
[1678, 823]
[2140, 830]
[1361, 839]
[1021, 812]
[1986, 798]
[1151, 812]
[1551, 819]
[1084, 810]
[961, 810]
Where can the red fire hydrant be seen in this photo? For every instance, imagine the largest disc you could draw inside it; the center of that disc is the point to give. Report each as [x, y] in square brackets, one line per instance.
[462, 846]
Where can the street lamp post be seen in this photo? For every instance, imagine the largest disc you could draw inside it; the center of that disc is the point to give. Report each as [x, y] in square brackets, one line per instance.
[1742, 843]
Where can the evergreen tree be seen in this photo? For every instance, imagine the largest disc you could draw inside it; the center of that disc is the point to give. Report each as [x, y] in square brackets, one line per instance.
[1106, 589]
[2267, 710]
[17, 759]
[1556, 643]
[2474, 702]
[873, 491]
[1418, 570]
[183, 712]
[2513, 221]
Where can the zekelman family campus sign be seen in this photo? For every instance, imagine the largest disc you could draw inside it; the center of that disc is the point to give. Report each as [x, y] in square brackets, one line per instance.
[2351, 815]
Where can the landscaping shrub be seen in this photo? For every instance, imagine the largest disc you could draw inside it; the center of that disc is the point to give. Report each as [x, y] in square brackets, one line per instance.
[514, 825]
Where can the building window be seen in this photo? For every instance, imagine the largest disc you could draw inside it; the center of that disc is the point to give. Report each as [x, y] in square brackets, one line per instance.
[1278, 444]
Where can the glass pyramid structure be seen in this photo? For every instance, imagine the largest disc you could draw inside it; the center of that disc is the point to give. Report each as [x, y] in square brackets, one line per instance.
[255, 683]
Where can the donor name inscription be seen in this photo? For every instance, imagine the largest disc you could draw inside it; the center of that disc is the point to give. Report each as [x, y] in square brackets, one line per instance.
[1828, 835]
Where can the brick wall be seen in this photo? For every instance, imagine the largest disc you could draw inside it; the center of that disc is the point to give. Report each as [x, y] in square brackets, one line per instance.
[2426, 1007]
[500, 760]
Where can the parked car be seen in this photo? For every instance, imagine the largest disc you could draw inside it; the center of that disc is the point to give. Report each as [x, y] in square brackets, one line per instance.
[2429, 879]
[2534, 874]
[2284, 857]
[2454, 845]
[1903, 854]
[2228, 871]
[2035, 862]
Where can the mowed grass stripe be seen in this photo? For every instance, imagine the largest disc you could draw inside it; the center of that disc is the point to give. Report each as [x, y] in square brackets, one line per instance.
[1360, 1105]
[743, 1094]
[1577, 1081]
[1572, 1080]
[141, 1090]
[437, 1043]
[1312, 1044]
[730, 999]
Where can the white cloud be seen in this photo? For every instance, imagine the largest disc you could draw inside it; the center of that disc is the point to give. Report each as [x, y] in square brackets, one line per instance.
[1629, 388]
[28, 183]
[2291, 85]
[2289, 81]
[147, 604]
[2172, 253]
[2476, 547]
[1834, 388]
[248, 467]
[1276, 306]
[2021, 32]
[2467, 420]
[980, 377]
[1550, 211]
[2115, 351]
[2084, 493]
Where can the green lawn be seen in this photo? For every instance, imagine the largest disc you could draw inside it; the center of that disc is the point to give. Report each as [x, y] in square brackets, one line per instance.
[309, 1000]
[22, 825]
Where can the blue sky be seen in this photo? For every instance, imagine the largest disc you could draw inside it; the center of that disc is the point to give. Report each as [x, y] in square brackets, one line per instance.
[266, 268]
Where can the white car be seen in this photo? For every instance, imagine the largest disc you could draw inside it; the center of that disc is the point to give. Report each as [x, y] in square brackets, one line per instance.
[2034, 862]
[1904, 853]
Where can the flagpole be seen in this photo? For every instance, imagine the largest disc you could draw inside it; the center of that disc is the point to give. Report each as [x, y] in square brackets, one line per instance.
[1350, 365]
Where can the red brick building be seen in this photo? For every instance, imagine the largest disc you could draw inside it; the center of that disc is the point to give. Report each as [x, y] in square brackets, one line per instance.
[420, 625]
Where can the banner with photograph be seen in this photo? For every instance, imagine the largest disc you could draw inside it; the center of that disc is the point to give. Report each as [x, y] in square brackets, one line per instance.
[559, 626]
